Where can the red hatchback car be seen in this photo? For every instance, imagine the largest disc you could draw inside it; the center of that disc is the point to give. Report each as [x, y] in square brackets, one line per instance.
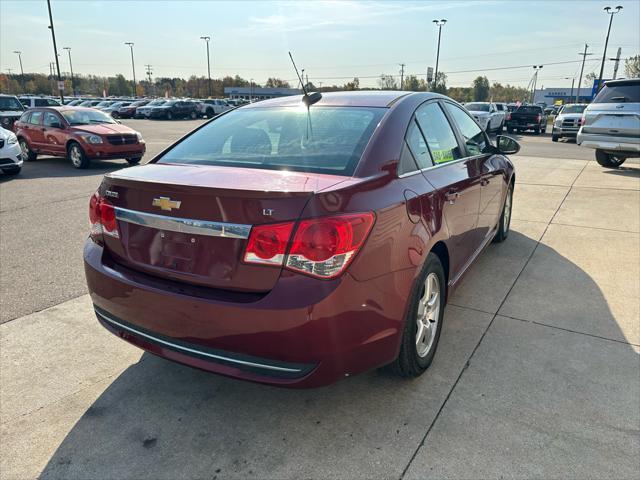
[80, 134]
[295, 246]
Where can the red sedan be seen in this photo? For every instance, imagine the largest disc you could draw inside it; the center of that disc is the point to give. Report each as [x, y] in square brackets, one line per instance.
[296, 245]
[80, 134]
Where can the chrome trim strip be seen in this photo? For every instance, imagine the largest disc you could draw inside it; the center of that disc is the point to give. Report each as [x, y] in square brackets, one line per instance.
[183, 225]
[197, 352]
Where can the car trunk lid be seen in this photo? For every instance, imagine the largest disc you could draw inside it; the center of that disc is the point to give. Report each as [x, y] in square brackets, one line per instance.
[620, 119]
[190, 223]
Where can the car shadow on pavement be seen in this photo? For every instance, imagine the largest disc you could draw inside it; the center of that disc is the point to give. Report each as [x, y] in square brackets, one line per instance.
[159, 419]
[48, 167]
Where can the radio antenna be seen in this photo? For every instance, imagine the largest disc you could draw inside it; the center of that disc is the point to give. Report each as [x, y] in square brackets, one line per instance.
[308, 98]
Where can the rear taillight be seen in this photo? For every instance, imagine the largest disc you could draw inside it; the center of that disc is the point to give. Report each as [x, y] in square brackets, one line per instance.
[538, 118]
[321, 247]
[102, 217]
[508, 117]
[268, 243]
[582, 120]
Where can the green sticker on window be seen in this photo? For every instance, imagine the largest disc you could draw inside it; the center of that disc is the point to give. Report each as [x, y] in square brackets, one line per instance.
[442, 156]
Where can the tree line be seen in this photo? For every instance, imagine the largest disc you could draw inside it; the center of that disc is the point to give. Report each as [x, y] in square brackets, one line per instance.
[198, 87]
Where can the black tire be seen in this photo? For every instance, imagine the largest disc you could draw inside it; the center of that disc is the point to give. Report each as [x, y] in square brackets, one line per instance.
[193, 115]
[609, 160]
[210, 113]
[500, 128]
[544, 128]
[76, 156]
[504, 224]
[12, 170]
[409, 363]
[27, 154]
[115, 115]
[510, 130]
[554, 137]
[169, 116]
[537, 130]
[134, 161]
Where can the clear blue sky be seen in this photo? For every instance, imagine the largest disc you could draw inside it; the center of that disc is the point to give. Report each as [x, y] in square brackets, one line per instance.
[332, 40]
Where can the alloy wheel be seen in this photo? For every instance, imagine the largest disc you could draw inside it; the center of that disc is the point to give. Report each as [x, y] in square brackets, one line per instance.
[24, 147]
[428, 315]
[76, 155]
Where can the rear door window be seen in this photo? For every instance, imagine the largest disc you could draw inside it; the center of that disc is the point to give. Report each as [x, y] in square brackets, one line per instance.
[438, 132]
[625, 93]
[51, 119]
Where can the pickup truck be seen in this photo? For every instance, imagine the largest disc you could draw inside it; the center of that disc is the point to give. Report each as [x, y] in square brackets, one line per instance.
[527, 117]
[488, 116]
[212, 107]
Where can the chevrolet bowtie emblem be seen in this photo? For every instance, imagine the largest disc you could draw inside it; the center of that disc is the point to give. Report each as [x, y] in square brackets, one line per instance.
[165, 203]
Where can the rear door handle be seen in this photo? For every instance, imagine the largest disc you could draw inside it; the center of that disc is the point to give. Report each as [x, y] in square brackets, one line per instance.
[451, 196]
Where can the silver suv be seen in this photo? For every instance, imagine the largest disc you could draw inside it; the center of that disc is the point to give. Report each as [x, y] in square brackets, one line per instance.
[611, 124]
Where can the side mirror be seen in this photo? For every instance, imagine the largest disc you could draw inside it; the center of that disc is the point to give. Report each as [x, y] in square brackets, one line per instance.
[507, 145]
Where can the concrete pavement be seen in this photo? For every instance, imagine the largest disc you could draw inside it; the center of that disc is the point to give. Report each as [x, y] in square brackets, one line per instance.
[537, 374]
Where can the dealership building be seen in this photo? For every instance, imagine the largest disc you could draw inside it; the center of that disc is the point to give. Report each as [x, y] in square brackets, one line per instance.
[556, 94]
[255, 93]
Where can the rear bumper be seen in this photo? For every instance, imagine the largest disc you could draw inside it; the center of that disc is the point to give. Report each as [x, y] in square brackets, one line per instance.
[303, 333]
[523, 126]
[609, 143]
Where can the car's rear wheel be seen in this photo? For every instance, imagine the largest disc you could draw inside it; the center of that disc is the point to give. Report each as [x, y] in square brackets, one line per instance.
[134, 160]
[609, 160]
[12, 170]
[210, 113]
[554, 137]
[115, 115]
[424, 320]
[193, 115]
[505, 218]
[28, 154]
[76, 154]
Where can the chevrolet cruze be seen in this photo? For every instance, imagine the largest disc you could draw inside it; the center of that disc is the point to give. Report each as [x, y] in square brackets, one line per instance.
[297, 241]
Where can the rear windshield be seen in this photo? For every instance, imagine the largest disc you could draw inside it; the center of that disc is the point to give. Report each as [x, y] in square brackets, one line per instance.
[10, 103]
[529, 109]
[629, 92]
[477, 107]
[324, 140]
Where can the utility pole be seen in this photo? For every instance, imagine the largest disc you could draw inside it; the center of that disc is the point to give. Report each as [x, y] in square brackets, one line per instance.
[73, 83]
[24, 88]
[149, 72]
[133, 68]
[584, 57]
[53, 90]
[616, 63]
[537, 68]
[573, 79]
[439, 23]
[206, 39]
[402, 65]
[611, 13]
[55, 51]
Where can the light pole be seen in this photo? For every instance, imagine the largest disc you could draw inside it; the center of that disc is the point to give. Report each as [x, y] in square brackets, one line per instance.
[133, 67]
[206, 39]
[573, 79]
[251, 90]
[55, 51]
[611, 13]
[439, 23]
[537, 68]
[73, 83]
[21, 71]
[584, 57]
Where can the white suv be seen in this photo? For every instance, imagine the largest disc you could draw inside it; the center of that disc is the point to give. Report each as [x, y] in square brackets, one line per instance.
[10, 153]
[611, 124]
[212, 107]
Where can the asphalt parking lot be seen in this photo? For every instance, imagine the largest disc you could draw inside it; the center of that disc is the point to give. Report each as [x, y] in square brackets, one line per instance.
[537, 374]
